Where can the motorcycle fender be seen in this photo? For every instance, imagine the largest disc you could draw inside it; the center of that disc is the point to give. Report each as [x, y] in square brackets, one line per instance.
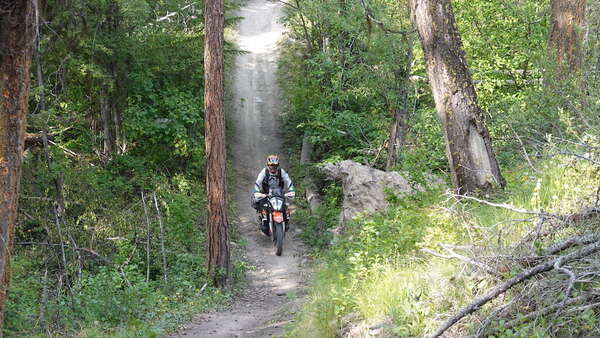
[277, 216]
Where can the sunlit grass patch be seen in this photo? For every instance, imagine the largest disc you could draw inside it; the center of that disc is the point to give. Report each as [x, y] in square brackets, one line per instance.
[382, 270]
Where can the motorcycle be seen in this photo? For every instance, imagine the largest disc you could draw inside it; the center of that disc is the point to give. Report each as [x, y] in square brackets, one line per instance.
[272, 208]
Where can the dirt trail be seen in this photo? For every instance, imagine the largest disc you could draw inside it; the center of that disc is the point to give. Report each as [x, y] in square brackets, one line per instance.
[275, 283]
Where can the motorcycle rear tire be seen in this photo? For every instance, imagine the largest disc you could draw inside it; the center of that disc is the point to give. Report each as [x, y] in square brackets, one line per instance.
[278, 238]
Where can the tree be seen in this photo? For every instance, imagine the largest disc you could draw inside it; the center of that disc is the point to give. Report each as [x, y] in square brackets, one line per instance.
[565, 38]
[468, 147]
[16, 39]
[214, 120]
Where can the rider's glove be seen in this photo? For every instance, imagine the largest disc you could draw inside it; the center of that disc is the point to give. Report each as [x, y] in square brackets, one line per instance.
[290, 194]
[259, 195]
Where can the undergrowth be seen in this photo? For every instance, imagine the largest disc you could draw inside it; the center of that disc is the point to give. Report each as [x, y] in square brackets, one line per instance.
[380, 270]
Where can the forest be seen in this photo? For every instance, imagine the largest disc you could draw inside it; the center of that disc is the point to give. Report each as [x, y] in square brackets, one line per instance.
[489, 109]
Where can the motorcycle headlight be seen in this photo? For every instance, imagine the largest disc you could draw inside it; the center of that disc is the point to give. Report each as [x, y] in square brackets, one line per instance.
[276, 203]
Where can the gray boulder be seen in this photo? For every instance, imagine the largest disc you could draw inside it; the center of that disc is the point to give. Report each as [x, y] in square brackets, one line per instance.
[363, 187]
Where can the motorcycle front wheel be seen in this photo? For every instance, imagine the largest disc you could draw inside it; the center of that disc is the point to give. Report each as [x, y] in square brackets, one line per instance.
[278, 234]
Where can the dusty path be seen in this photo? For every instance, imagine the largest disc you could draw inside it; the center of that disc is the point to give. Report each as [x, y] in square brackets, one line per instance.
[276, 282]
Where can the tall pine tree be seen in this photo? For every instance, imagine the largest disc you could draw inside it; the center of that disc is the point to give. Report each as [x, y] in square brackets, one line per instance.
[214, 119]
[16, 42]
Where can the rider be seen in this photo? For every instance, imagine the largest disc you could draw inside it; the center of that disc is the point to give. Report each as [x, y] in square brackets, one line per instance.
[271, 177]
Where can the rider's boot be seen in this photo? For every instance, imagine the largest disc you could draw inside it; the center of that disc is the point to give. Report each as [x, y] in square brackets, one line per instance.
[287, 220]
[264, 223]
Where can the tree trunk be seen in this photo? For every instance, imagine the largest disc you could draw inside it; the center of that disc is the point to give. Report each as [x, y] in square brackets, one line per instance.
[58, 207]
[468, 147]
[162, 238]
[16, 39]
[310, 189]
[566, 35]
[399, 110]
[214, 119]
[105, 113]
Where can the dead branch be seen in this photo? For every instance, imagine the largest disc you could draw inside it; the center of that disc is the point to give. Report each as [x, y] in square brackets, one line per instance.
[288, 4]
[525, 154]
[571, 242]
[89, 251]
[453, 254]
[506, 206]
[379, 23]
[572, 278]
[36, 140]
[582, 308]
[588, 214]
[65, 150]
[547, 310]
[530, 237]
[521, 277]
[570, 153]
[501, 308]
[174, 13]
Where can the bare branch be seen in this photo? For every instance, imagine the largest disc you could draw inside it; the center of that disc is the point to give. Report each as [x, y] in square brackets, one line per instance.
[379, 23]
[288, 4]
[505, 206]
[546, 310]
[521, 277]
[174, 13]
[571, 242]
[578, 156]
[90, 251]
[572, 279]
[453, 254]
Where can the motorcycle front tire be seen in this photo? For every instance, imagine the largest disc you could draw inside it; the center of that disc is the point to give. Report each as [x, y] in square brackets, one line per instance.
[278, 234]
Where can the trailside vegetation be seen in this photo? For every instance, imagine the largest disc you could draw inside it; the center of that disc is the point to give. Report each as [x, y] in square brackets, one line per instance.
[110, 236]
[520, 261]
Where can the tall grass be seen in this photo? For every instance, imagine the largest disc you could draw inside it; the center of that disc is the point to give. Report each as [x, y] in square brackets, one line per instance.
[377, 274]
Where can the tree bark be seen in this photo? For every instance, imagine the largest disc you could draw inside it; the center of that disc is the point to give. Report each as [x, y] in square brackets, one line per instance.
[105, 113]
[16, 40]
[468, 147]
[214, 119]
[566, 35]
[399, 109]
[162, 238]
[147, 237]
[310, 189]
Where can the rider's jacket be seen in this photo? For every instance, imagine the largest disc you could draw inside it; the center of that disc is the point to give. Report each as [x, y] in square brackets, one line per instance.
[265, 180]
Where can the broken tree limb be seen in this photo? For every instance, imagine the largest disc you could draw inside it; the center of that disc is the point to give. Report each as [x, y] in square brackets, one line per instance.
[379, 23]
[89, 251]
[174, 13]
[571, 242]
[36, 140]
[546, 310]
[452, 254]
[523, 276]
[558, 267]
[506, 206]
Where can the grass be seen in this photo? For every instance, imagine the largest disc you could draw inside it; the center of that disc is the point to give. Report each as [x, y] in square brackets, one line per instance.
[376, 273]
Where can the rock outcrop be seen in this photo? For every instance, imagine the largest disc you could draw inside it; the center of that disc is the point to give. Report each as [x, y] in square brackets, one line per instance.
[364, 187]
